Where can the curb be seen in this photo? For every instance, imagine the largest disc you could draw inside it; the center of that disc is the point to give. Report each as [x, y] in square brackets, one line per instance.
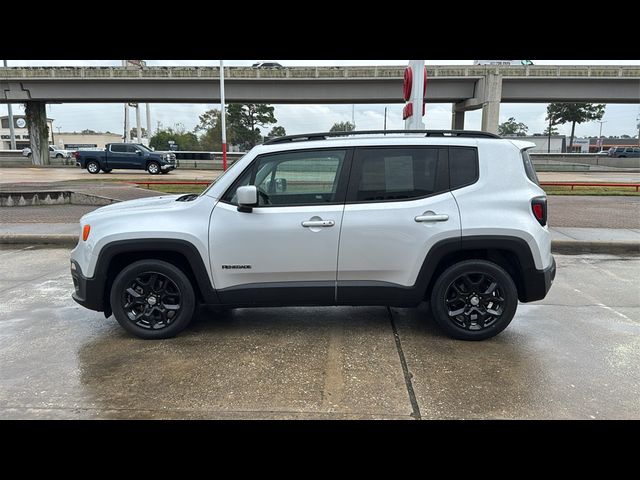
[52, 240]
[566, 247]
[577, 247]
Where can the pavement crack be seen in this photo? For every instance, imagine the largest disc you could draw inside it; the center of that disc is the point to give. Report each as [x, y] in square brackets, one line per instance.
[405, 370]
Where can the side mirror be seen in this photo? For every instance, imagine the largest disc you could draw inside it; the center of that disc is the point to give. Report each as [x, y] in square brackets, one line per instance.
[247, 198]
[139, 153]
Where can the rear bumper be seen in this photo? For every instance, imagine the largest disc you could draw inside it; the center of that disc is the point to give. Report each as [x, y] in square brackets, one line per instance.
[88, 292]
[536, 283]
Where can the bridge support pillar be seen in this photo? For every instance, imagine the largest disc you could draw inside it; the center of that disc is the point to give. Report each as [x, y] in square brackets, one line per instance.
[492, 94]
[36, 113]
[457, 117]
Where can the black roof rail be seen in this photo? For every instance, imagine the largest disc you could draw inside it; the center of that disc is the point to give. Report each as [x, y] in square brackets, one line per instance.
[305, 137]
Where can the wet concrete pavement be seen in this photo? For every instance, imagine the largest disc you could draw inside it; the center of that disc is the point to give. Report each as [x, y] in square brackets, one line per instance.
[573, 355]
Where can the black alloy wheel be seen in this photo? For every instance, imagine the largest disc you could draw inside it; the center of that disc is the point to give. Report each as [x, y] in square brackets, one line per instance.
[152, 299]
[474, 300]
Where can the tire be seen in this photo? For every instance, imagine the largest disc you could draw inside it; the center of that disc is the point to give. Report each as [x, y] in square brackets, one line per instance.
[107, 170]
[477, 317]
[93, 167]
[153, 168]
[137, 314]
[58, 155]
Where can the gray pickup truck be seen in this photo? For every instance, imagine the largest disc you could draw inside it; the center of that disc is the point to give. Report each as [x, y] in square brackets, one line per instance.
[125, 155]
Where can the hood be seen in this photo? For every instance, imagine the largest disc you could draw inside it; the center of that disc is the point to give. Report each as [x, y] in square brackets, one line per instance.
[138, 205]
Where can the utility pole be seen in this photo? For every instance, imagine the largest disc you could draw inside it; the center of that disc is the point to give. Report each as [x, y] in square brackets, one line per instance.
[138, 125]
[148, 122]
[12, 133]
[549, 134]
[353, 115]
[385, 119]
[126, 115]
[223, 118]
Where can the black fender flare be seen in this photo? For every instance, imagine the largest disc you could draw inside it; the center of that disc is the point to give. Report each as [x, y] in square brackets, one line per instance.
[155, 246]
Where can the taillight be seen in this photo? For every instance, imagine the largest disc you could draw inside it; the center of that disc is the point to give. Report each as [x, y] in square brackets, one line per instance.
[85, 232]
[539, 209]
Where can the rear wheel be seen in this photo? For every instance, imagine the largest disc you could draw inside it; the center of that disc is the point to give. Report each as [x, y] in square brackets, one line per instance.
[152, 299]
[153, 168]
[474, 300]
[93, 167]
[58, 155]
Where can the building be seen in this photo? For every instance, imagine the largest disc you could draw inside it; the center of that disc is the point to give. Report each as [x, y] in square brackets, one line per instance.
[79, 140]
[21, 130]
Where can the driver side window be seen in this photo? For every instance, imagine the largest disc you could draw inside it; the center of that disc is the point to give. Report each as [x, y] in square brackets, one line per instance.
[307, 177]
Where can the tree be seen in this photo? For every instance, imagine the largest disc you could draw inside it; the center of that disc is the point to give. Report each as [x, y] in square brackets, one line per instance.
[184, 140]
[561, 113]
[244, 120]
[511, 127]
[625, 136]
[343, 127]
[211, 127]
[277, 131]
[554, 131]
[89, 132]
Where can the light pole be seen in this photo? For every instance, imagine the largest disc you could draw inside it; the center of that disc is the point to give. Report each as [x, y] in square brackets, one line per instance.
[601, 122]
[12, 133]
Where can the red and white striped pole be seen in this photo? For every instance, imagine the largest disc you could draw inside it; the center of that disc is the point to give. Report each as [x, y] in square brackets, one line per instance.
[223, 118]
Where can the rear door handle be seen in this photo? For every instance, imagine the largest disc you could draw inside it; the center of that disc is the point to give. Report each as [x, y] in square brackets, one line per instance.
[318, 223]
[432, 218]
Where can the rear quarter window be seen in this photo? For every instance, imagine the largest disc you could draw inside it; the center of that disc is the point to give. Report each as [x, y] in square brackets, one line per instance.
[463, 166]
[528, 167]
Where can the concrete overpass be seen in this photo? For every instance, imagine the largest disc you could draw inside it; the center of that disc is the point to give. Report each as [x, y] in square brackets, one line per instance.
[446, 84]
[466, 87]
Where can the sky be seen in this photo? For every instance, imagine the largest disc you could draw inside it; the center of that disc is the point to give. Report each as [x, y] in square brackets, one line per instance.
[618, 119]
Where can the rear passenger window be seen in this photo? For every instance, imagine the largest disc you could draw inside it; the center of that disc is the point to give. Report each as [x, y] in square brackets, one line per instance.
[398, 173]
[463, 166]
[119, 148]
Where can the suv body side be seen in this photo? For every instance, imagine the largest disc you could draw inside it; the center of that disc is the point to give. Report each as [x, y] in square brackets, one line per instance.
[374, 253]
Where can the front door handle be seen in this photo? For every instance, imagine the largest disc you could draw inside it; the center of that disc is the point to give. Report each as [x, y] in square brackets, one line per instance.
[318, 223]
[432, 218]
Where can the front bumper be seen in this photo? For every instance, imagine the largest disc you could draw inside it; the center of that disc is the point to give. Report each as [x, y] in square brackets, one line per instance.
[536, 283]
[89, 292]
[168, 167]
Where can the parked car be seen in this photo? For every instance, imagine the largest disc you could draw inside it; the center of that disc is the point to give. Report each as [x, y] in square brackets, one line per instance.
[125, 155]
[266, 65]
[56, 152]
[502, 62]
[456, 218]
[624, 152]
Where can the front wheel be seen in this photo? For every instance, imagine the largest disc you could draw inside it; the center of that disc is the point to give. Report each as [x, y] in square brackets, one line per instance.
[58, 155]
[474, 300]
[153, 168]
[152, 299]
[93, 167]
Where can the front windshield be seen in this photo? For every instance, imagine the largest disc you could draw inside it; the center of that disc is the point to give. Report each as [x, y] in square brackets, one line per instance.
[222, 175]
[143, 148]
